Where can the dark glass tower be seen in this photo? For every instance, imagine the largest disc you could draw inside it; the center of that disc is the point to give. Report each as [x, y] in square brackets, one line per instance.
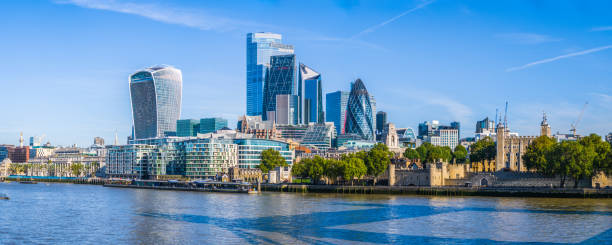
[280, 79]
[156, 101]
[335, 109]
[359, 109]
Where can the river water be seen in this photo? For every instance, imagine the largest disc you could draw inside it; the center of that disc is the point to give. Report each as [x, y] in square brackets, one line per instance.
[85, 214]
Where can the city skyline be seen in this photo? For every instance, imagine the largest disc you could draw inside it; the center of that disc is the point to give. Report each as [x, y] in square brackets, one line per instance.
[546, 68]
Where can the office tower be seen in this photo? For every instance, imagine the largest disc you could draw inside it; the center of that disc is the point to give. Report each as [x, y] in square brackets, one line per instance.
[313, 95]
[187, 127]
[335, 108]
[210, 125]
[280, 79]
[286, 111]
[260, 46]
[457, 126]
[156, 100]
[381, 121]
[319, 136]
[359, 117]
[485, 125]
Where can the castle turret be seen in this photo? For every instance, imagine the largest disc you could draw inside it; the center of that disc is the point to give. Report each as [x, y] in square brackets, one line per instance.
[544, 127]
[500, 157]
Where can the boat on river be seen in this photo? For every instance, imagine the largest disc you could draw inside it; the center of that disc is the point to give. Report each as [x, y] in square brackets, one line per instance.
[28, 182]
[198, 185]
[4, 196]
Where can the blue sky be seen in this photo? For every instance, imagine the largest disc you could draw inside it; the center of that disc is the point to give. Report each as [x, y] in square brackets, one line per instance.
[66, 63]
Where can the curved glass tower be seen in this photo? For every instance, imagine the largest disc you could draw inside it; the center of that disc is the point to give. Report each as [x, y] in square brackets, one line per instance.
[359, 112]
[156, 101]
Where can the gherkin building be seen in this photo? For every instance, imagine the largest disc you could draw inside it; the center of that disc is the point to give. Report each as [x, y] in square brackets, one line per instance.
[359, 112]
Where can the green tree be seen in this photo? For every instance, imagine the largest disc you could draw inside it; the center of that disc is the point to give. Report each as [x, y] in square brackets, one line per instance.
[598, 150]
[536, 155]
[300, 169]
[570, 159]
[378, 159]
[411, 154]
[352, 168]
[316, 169]
[423, 150]
[483, 150]
[271, 159]
[333, 169]
[460, 154]
[76, 169]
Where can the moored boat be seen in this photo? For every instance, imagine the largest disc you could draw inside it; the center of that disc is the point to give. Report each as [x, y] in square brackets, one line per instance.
[4, 196]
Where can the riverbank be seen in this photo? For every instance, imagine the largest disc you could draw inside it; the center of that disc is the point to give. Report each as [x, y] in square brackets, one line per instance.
[444, 191]
[56, 180]
[170, 188]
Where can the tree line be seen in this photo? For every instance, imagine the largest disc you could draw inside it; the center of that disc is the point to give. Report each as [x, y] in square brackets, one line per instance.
[427, 152]
[576, 159]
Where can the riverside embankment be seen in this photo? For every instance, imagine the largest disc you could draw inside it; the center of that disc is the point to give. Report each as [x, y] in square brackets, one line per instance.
[444, 191]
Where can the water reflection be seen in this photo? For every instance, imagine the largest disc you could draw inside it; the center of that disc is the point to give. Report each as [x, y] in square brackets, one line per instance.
[89, 214]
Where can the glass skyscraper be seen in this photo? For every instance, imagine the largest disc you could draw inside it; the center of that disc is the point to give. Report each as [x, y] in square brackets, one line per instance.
[187, 127]
[360, 112]
[313, 94]
[335, 109]
[260, 46]
[280, 79]
[156, 101]
[210, 125]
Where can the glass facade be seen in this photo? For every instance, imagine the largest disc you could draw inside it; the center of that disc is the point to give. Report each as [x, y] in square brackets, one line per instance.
[335, 108]
[359, 112]
[187, 127]
[260, 47]
[280, 79]
[205, 158]
[156, 101]
[320, 136]
[210, 125]
[249, 151]
[313, 95]
[287, 109]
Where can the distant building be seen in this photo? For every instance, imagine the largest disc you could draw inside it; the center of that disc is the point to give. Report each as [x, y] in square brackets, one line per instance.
[280, 175]
[335, 109]
[609, 138]
[187, 127]
[287, 109]
[389, 136]
[206, 158]
[99, 141]
[280, 79]
[439, 135]
[291, 132]
[319, 136]
[209, 125]
[156, 100]
[381, 121]
[260, 46]
[129, 161]
[360, 112]
[485, 125]
[254, 125]
[407, 138]
[249, 151]
[313, 95]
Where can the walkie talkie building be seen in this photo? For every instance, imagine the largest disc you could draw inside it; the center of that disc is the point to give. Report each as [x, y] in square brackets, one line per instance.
[156, 101]
[360, 112]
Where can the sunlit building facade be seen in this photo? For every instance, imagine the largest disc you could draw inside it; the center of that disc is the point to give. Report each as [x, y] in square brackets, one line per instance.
[335, 109]
[156, 101]
[312, 104]
[360, 112]
[280, 79]
[260, 47]
[249, 151]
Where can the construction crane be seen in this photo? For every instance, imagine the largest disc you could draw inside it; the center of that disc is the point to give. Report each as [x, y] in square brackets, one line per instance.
[575, 124]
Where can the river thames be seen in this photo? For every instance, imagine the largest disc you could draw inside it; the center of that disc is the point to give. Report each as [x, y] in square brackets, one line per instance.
[85, 214]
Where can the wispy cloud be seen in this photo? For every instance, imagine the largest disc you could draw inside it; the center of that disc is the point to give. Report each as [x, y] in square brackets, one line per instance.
[166, 14]
[527, 38]
[602, 28]
[373, 28]
[565, 56]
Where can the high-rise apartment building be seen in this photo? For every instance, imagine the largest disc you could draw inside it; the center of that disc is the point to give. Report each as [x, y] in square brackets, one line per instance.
[335, 109]
[360, 112]
[156, 101]
[260, 47]
[280, 79]
[313, 94]
[381, 121]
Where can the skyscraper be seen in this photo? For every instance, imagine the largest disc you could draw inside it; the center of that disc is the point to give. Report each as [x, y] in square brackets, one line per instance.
[210, 125]
[335, 108]
[260, 46]
[381, 121]
[313, 94]
[187, 127]
[156, 100]
[286, 111]
[359, 112]
[280, 79]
